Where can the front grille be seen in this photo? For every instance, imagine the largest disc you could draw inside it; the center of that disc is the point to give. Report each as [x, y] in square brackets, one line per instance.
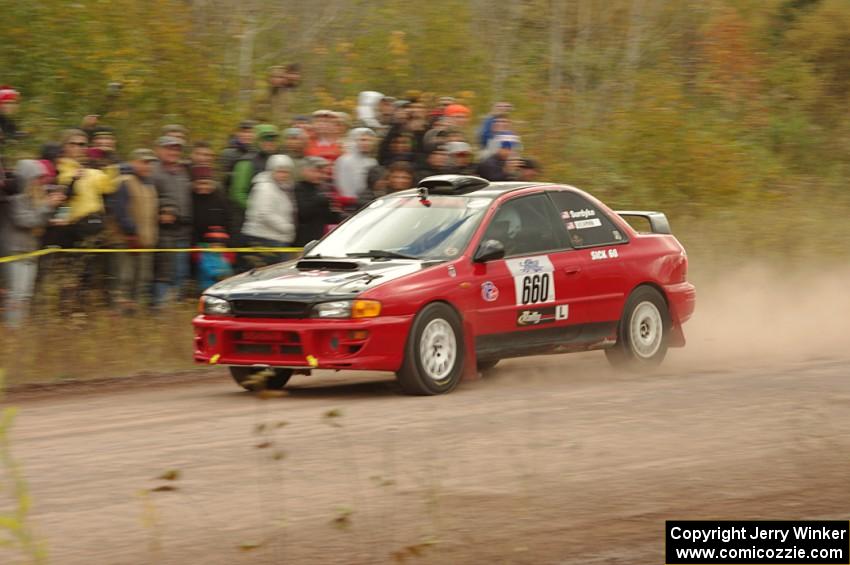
[269, 309]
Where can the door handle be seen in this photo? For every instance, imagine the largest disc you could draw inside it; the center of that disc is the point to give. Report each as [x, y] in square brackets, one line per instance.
[572, 270]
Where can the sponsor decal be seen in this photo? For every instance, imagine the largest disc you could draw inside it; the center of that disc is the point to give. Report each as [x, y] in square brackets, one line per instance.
[451, 251]
[584, 224]
[586, 213]
[530, 266]
[616, 234]
[537, 316]
[534, 281]
[452, 271]
[601, 254]
[489, 291]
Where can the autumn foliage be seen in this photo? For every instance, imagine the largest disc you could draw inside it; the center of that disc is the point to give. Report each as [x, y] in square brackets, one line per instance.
[729, 115]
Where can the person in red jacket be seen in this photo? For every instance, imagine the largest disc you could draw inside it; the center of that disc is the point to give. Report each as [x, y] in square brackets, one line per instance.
[324, 142]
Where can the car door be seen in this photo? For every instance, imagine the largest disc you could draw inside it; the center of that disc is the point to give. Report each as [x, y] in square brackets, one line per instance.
[519, 294]
[594, 276]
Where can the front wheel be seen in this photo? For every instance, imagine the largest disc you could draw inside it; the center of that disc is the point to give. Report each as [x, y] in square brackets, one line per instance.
[434, 354]
[643, 331]
[259, 378]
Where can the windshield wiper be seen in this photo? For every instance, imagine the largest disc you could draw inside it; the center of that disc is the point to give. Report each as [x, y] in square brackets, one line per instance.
[381, 254]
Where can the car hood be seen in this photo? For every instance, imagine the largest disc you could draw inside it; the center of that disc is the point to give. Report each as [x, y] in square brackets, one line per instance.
[309, 280]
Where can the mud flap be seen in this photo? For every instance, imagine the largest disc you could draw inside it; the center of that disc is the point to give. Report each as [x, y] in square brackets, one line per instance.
[677, 337]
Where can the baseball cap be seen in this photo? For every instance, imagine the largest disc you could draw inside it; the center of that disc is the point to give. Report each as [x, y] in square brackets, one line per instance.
[143, 155]
[266, 131]
[247, 124]
[293, 132]
[457, 110]
[8, 94]
[458, 147]
[168, 140]
[103, 131]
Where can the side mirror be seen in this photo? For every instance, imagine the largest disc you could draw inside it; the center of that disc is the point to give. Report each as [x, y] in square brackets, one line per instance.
[309, 247]
[489, 250]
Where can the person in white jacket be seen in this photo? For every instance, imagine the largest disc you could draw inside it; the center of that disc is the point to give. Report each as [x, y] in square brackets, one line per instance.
[351, 169]
[270, 217]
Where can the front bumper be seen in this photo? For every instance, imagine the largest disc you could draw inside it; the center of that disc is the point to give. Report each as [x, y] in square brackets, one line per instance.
[374, 344]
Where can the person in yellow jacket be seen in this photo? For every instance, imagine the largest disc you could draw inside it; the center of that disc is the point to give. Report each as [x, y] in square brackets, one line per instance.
[86, 186]
[84, 277]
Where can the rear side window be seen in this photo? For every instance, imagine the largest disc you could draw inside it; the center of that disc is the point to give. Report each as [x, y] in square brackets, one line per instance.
[585, 223]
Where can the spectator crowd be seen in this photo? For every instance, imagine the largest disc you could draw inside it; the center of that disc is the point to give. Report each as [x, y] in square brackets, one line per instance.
[277, 184]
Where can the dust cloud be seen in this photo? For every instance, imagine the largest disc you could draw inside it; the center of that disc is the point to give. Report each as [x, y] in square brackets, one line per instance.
[761, 316]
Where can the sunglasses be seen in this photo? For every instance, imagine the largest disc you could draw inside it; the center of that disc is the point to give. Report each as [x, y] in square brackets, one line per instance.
[77, 143]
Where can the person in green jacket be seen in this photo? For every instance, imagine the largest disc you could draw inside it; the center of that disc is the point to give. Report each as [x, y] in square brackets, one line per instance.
[254, 163]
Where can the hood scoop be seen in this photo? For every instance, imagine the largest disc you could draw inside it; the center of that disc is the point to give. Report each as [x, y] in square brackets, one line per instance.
[326, 265]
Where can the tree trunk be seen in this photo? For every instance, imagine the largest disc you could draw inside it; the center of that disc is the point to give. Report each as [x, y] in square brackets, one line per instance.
[246, 62]
[556, 60]
[634, 37]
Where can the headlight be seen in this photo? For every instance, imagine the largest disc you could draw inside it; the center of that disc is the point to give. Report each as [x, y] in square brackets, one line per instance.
[214, 306]
[347, 309]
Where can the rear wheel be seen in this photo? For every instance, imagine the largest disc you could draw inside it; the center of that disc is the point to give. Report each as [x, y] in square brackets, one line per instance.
[643, 331]
[434, 354]
[259, 378]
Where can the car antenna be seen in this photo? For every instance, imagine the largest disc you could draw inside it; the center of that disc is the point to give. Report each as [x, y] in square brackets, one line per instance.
[423, 196]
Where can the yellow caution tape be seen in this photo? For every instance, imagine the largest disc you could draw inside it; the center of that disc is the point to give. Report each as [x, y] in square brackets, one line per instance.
[51, 250]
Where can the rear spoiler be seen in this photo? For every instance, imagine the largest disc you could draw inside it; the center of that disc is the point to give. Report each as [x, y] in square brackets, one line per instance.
[657, 220]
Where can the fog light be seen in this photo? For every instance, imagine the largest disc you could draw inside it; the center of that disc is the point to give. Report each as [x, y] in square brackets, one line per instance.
[358, 335]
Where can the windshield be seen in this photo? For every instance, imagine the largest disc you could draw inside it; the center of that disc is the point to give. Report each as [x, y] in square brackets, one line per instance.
[403, 225]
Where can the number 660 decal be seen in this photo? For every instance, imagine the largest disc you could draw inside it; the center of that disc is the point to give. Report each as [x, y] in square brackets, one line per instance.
[533, 280]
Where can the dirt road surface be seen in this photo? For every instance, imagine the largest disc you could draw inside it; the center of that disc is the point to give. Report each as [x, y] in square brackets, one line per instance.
[547, 460]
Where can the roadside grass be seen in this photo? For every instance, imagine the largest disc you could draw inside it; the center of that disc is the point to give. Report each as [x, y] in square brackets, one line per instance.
[16, 532]
[99, 343]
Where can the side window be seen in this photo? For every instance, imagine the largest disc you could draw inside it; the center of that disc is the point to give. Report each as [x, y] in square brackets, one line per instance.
[585, 223]
[526, 225]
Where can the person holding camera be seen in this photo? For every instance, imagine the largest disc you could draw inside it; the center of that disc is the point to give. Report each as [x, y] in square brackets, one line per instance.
[29, 214]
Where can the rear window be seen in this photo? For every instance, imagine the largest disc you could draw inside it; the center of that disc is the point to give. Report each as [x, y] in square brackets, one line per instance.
[586, 224]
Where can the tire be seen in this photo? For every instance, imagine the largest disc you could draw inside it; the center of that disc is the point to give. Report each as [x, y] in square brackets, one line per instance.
[643, 331]
[250, 378]
[434, 353]
[484, 366]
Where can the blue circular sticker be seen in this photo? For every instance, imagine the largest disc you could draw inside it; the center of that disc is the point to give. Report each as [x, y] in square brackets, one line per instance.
[489, 291]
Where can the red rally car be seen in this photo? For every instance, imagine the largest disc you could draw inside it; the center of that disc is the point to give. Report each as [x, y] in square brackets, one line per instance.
[445, 280]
